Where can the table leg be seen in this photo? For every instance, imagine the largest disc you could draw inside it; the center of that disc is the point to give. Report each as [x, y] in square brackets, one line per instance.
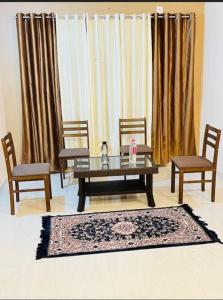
[142, 178]
[149, 190]
[81, 203]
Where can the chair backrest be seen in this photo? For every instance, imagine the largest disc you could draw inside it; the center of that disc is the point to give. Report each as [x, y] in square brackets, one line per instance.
[72, 129]
[211, 138]
[132, 126]
[9, 153]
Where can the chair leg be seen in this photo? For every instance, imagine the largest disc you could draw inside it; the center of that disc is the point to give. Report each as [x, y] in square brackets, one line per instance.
[203, 183]
[173, 178]
[50, 187]
[213, 186]
[181, 183]
[61, 172]
[64, 167]
[47, 193]
[17, 188]
[12, 204]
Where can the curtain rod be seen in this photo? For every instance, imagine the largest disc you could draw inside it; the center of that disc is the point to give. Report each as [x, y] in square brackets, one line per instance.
[160, 16]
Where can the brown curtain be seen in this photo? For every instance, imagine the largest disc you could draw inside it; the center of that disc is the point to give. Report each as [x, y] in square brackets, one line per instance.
[40, 89]
[173, 131]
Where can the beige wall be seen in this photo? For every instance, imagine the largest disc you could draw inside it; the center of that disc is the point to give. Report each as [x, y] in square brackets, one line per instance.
[9, 60]
[2, 133]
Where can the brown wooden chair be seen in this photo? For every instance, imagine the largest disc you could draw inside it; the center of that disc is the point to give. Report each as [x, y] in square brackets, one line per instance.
[72, 129]
[134, 126]
[24, 172]
[198, 164]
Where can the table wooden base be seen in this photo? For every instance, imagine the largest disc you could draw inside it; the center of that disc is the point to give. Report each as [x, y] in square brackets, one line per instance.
[117, 187]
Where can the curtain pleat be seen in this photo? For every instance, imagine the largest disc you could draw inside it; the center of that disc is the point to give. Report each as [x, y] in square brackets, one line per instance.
[40, 89]
[173, 130]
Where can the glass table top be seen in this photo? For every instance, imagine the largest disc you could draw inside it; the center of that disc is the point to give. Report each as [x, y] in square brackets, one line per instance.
[114, 163]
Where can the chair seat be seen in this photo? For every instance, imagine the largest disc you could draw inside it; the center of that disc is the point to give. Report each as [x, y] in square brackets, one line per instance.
[31, 169]
[188, 162]
[141, 149]
[74, 152]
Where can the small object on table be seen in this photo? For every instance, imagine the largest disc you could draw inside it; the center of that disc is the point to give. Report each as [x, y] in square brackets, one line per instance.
[104, 154]
[132, 151]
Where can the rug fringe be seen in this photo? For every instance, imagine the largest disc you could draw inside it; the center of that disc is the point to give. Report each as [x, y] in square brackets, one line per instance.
[41, 250]
[210, 232]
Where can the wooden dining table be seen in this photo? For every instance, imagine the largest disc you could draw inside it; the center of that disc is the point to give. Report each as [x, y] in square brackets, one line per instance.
[91, 167]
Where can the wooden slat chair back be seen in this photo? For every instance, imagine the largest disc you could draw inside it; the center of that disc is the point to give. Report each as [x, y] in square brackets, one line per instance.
[9, 153]
[136, 126]
[132, 126]
[24, 172]
[211, 139]
[72, 129]
[198, 164]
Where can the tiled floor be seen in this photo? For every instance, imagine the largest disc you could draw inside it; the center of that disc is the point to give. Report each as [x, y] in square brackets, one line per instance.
[166, 273]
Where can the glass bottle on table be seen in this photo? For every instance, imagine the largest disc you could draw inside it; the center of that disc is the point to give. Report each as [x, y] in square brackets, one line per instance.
[132, 151]
[104, 153]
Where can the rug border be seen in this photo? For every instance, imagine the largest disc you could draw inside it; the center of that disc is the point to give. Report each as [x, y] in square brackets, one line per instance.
[42, 247]
[211, 233]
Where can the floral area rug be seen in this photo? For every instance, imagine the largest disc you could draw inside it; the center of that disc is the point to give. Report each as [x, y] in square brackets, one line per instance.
[90, 233]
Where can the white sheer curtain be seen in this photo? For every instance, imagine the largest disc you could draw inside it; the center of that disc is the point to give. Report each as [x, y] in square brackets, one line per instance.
[136, 53]
[73, 70]
[105, 76]
[105, 69]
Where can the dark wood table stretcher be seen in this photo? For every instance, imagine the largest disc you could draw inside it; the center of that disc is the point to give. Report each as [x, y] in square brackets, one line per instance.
[117, 166]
